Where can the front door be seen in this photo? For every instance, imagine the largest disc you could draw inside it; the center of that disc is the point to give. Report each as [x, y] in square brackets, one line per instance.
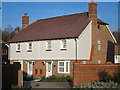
[48, 68]
[29, 69]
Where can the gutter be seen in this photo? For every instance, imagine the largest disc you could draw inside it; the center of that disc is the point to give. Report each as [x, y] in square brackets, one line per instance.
[7, 45]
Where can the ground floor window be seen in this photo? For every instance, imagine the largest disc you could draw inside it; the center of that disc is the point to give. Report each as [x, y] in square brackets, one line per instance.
[63, 66]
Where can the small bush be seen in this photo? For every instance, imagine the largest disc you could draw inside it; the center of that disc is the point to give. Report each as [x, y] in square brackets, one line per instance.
[68, 78]
[43, 77]
[98, 84]
[104, 76]
[116, 77]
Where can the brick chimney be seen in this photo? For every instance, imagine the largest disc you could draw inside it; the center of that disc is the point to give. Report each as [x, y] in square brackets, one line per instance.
[25, 20]
[92, 10]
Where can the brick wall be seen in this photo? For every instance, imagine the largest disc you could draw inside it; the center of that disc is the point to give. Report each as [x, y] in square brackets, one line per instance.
[38, 66]
[88, 72]
[105, 53]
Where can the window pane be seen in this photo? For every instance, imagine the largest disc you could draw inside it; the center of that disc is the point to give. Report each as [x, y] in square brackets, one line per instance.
[49, 45]
[61, 63]
[49, 66]
[61, 69]
[30, 65]
[64, 43]
[99, 42]
[30, 45]
[98, 47]
[66, 66]
[18, 47]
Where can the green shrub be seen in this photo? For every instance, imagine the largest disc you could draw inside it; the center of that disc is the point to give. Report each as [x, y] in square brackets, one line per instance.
[109, 84]
[68, 78]
[116, 77]
[43, 77]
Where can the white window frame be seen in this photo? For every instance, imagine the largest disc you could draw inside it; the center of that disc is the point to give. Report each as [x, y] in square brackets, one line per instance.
[99, 61]
[63, 42]
[64, 66]
[49, 48]
[99, 45]
[28, 47]
[18, 50]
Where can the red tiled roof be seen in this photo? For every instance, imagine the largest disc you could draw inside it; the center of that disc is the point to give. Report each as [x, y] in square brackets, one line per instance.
[2, 41]
[68, 26]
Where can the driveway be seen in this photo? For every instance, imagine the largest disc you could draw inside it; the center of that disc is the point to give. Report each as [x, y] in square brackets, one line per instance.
[50, 85]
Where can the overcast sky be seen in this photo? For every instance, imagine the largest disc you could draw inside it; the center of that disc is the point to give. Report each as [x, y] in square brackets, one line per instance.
[13, 11]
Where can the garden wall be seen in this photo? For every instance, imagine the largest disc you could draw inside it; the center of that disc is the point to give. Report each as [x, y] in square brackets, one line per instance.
[84, 73]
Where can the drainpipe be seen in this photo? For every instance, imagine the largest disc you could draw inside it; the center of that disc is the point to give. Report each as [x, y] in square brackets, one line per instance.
[76, 48]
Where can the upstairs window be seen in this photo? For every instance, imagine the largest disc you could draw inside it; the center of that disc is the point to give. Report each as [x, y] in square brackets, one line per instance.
[18, 48]
[99, 45]
[63, 45]
[29, 49]
[48, 46]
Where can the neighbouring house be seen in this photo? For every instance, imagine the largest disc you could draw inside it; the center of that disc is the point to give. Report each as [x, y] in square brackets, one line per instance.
[50, 46]
[4, 52]
[117, 53]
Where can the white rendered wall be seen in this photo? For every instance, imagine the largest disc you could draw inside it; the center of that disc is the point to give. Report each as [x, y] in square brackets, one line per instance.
[39, 51]
[84, 43]
[23, 54]
[57, 53]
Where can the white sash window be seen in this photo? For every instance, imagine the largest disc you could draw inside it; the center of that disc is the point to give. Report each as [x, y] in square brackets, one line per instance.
[63, 66]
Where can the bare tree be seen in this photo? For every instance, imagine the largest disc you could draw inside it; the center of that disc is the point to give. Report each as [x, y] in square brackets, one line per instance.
[117, 36]
[9, 32]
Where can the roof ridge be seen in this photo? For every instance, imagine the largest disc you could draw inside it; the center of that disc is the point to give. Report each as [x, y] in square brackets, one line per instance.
[61, 16]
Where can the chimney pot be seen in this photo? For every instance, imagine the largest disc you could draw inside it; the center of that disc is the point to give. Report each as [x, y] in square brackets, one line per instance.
[25, 14]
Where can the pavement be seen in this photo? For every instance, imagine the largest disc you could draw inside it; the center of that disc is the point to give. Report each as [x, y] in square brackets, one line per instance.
[50, 84]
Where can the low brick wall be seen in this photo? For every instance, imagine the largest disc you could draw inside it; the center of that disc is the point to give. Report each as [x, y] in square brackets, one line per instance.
[84, 73]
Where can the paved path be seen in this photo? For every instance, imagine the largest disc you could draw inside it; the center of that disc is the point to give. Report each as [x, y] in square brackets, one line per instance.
[50, 85]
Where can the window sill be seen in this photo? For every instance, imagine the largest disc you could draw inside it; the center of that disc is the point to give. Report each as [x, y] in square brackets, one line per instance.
[64, 72]
[63, 49]
[17, 51]
[29, 50]
[48, 50]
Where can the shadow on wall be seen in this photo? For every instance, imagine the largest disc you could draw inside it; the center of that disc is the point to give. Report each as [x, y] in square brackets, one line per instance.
[110, 52]
[105, 76]
[27, 77]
